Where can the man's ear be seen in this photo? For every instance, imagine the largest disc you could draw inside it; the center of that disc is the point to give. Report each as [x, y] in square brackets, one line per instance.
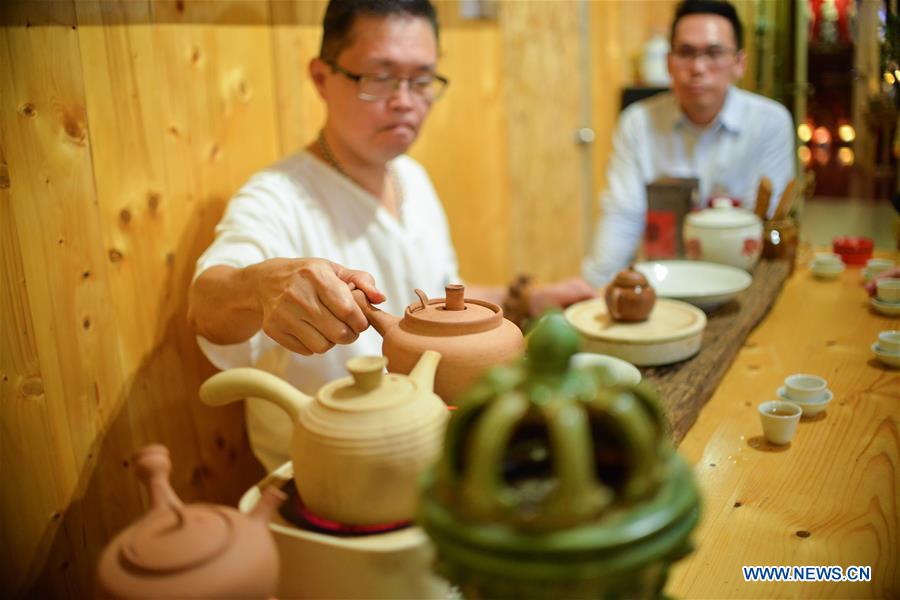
[318, 68]
[740, 65]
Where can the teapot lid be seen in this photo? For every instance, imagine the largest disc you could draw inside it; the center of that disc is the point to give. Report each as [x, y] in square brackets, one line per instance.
[176, 538]
[630, 277]
[453, 315]
[368, 388]
[722, 215]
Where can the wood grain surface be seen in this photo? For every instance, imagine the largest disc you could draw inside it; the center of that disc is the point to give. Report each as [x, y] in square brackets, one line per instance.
[686, 386]
[828, 498]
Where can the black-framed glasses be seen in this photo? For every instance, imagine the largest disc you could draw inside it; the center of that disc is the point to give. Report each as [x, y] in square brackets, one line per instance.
[715, 55]
[429, 87]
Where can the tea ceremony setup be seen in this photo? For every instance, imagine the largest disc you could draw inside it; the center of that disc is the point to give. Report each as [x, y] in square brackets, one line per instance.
[450, 299]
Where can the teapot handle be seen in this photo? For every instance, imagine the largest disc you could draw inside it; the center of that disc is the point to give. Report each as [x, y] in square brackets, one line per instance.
[612, 301]
[377, 318]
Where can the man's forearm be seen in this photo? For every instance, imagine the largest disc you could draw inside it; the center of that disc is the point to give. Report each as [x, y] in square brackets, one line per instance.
[223, 305]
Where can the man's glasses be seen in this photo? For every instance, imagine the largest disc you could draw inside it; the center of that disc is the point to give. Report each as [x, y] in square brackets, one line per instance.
[715, 55]
[381, 87]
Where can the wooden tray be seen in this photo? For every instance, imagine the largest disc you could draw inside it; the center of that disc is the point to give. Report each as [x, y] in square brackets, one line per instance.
[672, 333]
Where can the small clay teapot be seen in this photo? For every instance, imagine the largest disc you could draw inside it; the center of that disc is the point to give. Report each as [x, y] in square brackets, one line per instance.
[470, 334]
[359, 446]
[630, 297]
[190, 551]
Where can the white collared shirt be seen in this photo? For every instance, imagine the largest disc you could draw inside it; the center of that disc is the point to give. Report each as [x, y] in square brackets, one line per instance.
[751, 137]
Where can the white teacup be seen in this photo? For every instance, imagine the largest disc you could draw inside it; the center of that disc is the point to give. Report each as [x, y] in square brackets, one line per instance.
[889, 341]
[888, 290]
[803, 387]
[878, 265]
[779, 421]
[827, 258]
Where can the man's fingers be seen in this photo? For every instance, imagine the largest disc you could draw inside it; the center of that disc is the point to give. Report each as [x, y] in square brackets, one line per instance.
[360, 280]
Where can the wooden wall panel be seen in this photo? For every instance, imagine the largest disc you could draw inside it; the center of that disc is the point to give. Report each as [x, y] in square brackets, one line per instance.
[464, 148]
[541, 58]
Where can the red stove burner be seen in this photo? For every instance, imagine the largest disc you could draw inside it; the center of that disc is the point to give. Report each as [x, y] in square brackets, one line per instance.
[295, 512]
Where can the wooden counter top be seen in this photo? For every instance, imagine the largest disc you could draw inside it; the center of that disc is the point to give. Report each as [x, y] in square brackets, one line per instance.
[832, 497]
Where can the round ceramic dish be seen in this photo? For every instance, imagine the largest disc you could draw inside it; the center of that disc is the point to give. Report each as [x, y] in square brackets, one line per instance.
[885, 308]
[889, 358]
[319, 565]
[826, 270]
[702, 284]
[672, 332]
[623, 373]
[809, 408]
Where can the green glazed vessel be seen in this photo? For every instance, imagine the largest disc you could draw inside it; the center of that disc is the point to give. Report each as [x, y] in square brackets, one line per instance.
[555, 484]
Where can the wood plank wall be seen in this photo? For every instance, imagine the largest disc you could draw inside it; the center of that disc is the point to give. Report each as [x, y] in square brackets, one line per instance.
[126, 126]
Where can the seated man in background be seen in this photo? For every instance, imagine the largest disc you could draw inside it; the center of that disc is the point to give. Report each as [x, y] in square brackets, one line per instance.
[705, 128]
[272, 290]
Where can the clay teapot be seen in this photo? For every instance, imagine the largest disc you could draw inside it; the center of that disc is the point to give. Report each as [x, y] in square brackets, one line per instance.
[470, 334]
[630, 297]
[359, 446]
[190, 551]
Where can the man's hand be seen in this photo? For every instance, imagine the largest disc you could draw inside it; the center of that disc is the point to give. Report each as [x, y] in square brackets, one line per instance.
[560, 294]
[306, 303]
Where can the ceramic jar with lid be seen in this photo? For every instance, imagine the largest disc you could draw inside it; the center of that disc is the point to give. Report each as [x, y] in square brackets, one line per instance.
[724, 234]
[471, 336]
[630, 297]
[190, 551]
[359, 446]
[553, 484]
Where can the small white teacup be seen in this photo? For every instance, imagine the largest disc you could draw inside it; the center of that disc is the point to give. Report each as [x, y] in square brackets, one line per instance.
[889, 341]
[874, 266]
[779, 421]
[827, 258]
[803, 387]
[888, 290]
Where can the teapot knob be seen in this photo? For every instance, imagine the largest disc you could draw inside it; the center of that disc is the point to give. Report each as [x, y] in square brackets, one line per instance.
[153, 467]
[456, 297]
[367, 371]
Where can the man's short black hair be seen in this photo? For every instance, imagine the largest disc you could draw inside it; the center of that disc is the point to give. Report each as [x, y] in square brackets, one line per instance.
[710, 7]
[341, 14]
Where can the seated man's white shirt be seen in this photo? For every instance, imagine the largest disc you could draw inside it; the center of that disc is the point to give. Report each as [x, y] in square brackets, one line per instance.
[302, 208]
[751, 137]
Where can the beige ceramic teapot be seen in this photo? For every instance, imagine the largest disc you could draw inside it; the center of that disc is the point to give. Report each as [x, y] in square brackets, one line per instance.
[190, 551]
[359, 446]
[630, 297]
[470, 334]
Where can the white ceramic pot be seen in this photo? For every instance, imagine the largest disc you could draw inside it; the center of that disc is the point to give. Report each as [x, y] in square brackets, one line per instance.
[724, 234]
[394, 564]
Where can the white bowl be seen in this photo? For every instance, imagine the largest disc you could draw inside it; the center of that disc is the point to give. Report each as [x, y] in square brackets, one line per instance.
[623, 373]
[810, 407]
[888, 358]
[826, 270]
[886, 308]
[318, 565]
[702, 284]
[889, 341]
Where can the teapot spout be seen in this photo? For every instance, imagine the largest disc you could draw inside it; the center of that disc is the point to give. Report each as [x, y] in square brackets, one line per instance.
[269, 502]
[236, 384]
[423, 372]
[377, 318]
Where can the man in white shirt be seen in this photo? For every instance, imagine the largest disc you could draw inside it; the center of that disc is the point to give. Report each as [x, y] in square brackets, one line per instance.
[704, 128]
[272, 290]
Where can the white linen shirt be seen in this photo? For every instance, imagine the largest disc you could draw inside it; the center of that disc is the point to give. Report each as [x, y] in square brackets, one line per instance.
[751, 137]
[302, 208]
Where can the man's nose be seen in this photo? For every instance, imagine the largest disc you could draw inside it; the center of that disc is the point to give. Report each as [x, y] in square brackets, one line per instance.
[402, 95]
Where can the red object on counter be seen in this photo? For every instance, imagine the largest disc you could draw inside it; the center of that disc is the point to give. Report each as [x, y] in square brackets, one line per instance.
[853, 250]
